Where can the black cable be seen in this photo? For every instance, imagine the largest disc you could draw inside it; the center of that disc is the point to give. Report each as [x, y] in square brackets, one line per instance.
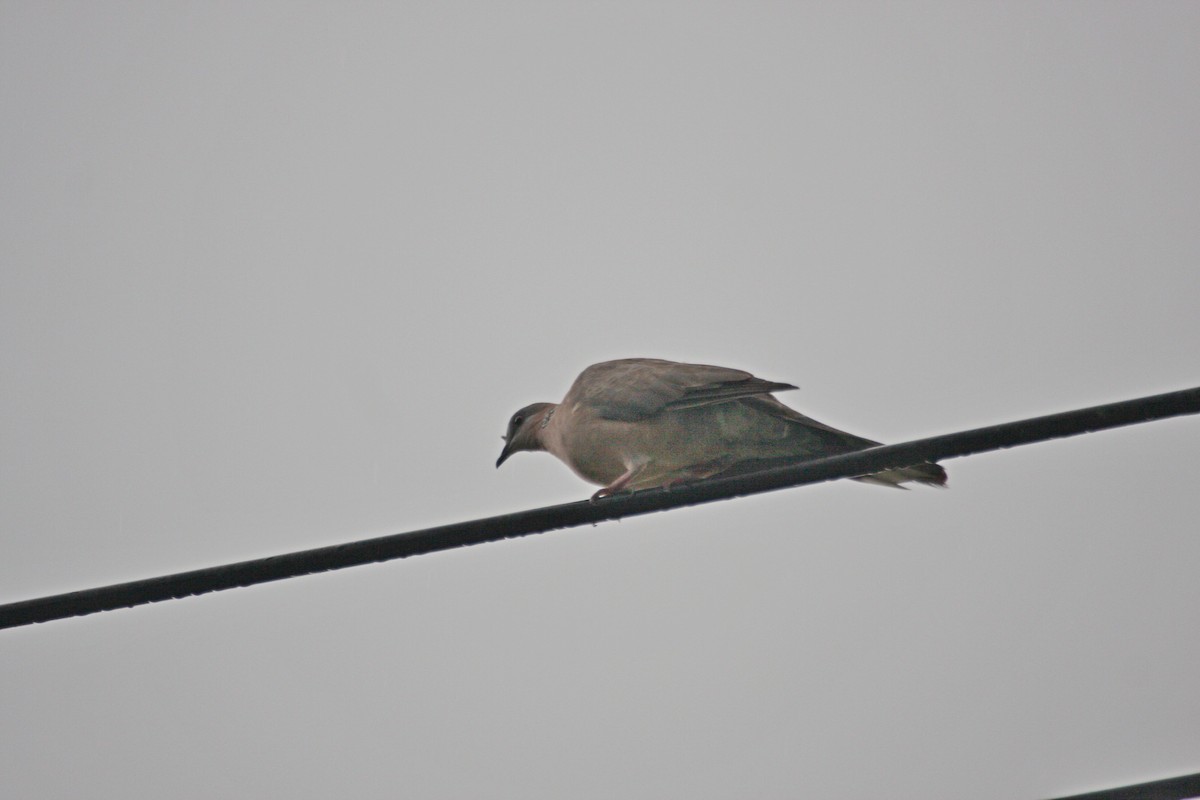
[1181, 788]
[540, 520]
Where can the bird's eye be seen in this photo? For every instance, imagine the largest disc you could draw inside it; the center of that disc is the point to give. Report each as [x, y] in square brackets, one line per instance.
[517, 420]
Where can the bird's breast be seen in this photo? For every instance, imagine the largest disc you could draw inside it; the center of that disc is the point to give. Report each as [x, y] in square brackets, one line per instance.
[596, 449]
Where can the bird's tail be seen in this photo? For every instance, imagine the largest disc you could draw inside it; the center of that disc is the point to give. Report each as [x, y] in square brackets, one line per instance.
[928, 473]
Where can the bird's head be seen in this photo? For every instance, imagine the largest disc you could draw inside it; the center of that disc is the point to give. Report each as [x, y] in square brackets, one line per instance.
[524, 430]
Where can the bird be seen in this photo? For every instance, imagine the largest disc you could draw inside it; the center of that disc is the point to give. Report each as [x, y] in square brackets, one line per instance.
[642, 423]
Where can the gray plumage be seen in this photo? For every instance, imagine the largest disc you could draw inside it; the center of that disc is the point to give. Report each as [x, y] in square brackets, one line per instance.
[638, 423]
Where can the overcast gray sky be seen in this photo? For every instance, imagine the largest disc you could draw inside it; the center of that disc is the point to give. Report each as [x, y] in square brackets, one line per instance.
[274, 276]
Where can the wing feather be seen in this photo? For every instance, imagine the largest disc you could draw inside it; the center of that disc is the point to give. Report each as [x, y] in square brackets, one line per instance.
[635, 388]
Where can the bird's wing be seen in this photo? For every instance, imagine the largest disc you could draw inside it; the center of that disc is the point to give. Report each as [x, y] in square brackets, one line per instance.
[769, 405]
[635, 388]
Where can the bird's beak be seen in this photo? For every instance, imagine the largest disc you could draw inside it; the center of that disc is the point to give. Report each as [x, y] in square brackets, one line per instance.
[504, 454]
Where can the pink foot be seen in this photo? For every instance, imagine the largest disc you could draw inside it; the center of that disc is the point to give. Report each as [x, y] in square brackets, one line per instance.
[616, 486]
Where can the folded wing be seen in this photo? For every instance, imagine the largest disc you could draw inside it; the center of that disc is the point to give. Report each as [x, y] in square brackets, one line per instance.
[636, 388]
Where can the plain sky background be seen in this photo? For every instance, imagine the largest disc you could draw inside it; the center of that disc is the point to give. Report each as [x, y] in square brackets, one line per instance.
[274, 275]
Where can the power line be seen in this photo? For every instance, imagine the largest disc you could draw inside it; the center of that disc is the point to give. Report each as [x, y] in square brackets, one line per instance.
[1180, 788]
[541, 520]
